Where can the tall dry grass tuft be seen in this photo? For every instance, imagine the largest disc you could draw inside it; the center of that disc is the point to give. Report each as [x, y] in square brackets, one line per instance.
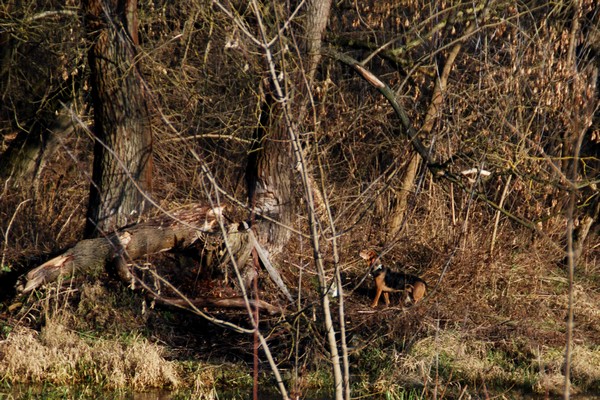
[59, 356]
[449, 357]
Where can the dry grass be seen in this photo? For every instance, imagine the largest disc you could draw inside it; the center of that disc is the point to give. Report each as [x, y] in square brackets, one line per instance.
[585, 368]
[60, 356]
[494, 321]
[452, 359]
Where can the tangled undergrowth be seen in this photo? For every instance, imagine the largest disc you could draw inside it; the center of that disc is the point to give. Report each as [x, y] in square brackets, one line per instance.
[517, 114]
[486, 326]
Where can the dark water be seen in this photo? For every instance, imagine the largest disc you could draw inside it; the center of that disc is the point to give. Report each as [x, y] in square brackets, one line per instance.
[49, 392]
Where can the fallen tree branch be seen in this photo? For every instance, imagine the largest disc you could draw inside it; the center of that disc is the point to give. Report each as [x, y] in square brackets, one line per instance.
[273, 273]
[161, 234]
[217, 302]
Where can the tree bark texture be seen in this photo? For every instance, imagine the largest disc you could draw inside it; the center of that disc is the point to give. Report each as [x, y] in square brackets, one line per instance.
[270, 166]
[122, 169]
[268, 178]
[317, 16]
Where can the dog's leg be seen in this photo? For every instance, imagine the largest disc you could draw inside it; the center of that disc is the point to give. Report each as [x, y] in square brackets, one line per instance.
[408, 297]
[378, 291]
[386, 297]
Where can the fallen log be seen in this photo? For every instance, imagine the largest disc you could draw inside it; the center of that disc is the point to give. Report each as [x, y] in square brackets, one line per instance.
[173, 231]
[178, 229]
[216, 302]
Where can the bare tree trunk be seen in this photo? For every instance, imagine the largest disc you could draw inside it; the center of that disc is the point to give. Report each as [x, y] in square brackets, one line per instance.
[317, 16]
[122, 168]
[268, 173]
[397, 215]
[268, 178]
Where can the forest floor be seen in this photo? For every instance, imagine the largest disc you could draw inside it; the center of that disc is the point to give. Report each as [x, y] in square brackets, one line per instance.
[489, 325]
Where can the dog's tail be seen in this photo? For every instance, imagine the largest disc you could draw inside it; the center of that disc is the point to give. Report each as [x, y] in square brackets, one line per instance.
[419, 290]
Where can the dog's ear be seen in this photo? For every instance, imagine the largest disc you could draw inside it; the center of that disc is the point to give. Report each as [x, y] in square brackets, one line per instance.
[368, 255]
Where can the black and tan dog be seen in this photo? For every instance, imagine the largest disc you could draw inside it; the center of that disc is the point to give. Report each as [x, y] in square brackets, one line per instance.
[387, 281]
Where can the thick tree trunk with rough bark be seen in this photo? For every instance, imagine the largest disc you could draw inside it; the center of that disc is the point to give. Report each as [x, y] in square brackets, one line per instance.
[268, 178]
[122, 169]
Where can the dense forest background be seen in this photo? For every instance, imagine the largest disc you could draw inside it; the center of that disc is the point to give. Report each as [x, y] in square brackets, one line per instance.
[459, 140]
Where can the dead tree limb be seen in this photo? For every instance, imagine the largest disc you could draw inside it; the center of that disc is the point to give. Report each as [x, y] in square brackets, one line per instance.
[170, 232]
[167, 232]
[217, 302]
